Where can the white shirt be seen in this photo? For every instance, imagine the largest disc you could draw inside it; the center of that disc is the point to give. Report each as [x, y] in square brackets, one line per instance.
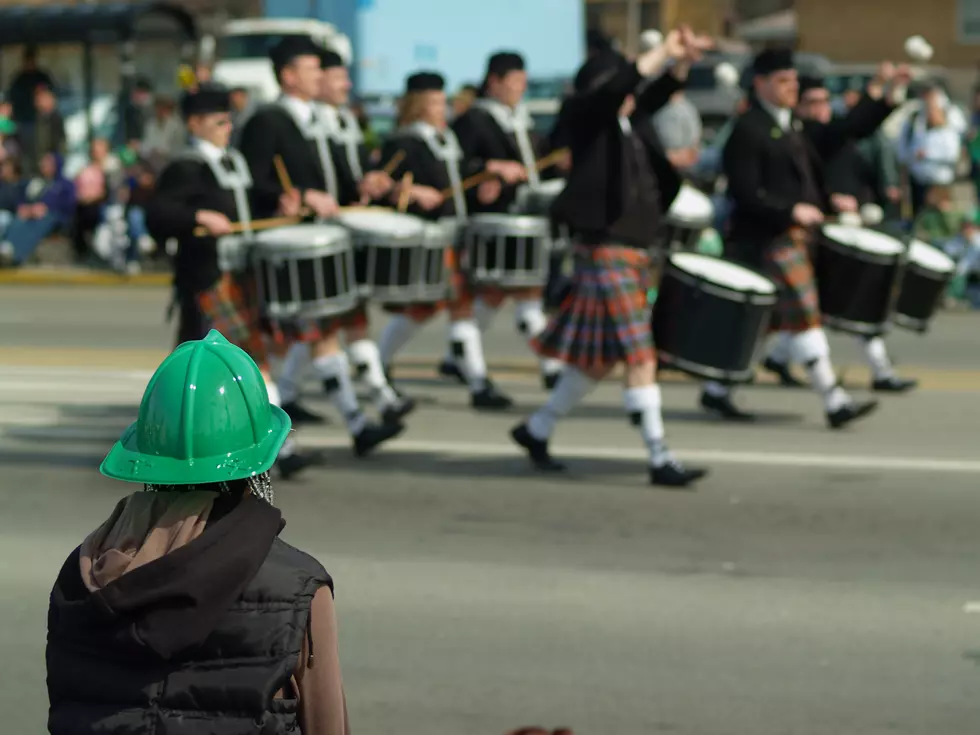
[302, 110]
[209, 150]
[941, 148]
[782, 115]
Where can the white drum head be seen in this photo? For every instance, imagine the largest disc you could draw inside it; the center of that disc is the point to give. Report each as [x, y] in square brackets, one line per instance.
[549, 187]
[859, 238]
[930, 258]
[690, 205]
[723, 273]
[303, 235]
[395, 224]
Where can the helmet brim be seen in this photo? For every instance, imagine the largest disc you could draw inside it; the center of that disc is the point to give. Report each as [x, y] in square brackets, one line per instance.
[125, 462]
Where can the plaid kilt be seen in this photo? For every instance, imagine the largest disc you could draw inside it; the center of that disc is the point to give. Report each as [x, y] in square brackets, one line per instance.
[311, 331]
[604, 318]
[787, 262]
[230, 306]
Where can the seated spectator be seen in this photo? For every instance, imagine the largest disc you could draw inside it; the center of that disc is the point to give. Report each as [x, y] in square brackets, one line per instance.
[92, 191]
[47, 205]
[47, 134]
[11, 192]
[123, 234]
[165, 135]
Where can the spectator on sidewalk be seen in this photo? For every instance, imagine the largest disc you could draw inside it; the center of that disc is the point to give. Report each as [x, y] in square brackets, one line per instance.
[136, 112]
[46, 134]
[48, 205]
[23, 86]
[95, 186]
[930, 145]
[11, 192]
[679, 128]
[164, 135]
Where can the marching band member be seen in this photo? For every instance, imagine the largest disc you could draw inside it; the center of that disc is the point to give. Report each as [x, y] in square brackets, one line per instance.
[620, 184]
[854, 183]
[497, 132]
[431, 153]
[291, 129]
[773, 162]
[208, 187]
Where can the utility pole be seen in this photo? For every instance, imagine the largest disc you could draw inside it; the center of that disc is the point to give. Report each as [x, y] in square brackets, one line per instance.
[314, 9]
[633, 30]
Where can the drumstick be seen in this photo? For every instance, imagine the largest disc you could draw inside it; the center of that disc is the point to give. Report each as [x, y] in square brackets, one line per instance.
[257, 224]
[287, 185]
[393, 164]
[405, 197]
[476, 179]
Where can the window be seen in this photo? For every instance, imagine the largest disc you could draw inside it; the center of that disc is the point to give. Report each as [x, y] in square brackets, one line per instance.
[968, 21]
[250, 46]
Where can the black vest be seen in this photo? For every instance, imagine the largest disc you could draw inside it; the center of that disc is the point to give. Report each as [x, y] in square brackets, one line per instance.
[101, 679]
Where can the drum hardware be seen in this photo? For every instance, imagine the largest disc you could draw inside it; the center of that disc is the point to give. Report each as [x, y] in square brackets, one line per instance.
[857, 270]
[710, 316]
[925, 278]
[511, 251]
[689, 215]
[304, 271]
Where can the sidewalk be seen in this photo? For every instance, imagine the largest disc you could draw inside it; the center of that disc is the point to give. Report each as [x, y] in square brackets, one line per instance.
[78, 276]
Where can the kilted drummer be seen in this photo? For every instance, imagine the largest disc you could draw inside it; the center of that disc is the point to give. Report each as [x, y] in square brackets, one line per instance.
[290, 129]
[619, 185]
[774, 165]
[207, 186]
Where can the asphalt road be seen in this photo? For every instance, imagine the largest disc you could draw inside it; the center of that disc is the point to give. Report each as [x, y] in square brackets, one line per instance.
[816, 583]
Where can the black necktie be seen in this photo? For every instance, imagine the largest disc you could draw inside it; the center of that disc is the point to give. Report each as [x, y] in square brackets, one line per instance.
[441, 140]
[228, 164]
[341, 121]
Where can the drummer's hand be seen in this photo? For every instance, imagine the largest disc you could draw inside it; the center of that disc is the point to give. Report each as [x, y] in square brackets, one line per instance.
[807, 215]
[844, 202]
[290, 204]
[214, 222]
[427, 197]
[489, 191]
[375, 185]
[510, 171]
[322, 204]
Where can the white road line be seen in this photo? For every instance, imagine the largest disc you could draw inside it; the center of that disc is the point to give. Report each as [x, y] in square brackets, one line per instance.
[39, 435]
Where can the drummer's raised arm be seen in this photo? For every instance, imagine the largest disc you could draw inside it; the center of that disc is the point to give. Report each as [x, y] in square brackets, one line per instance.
[259, 148]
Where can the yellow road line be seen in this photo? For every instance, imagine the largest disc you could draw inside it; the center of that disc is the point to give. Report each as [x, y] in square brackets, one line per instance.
[415, 368]
[79, 277]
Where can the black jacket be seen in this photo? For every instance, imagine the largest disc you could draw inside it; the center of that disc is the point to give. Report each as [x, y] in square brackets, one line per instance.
[198, 641]
[600, 183]
[766, 179]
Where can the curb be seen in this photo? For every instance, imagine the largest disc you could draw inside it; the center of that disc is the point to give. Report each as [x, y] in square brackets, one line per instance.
[81, 277]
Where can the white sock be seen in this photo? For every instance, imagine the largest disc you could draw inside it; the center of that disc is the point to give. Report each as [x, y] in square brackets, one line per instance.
[572, 387]
[483, 313]
[467, 346]
[643, 406]
[877, 354]
[717, 390]
[531, 321]
[782, 348]
[291, 373]
[812, 350]
[366, 357]
[397, 333]
[289, 446]
[335, 369]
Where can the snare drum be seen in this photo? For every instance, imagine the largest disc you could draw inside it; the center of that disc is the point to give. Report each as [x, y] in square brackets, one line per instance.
[856, 271]
[927, 275]
[391, 256]
[507, 250]
[304, 271]
[710, 316]
[690, 214]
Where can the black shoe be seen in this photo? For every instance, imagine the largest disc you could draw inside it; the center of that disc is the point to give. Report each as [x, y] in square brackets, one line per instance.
[395, 413]
[895, 384]
[850, 412]
[550, 380]
[448, 369]
[723, 407]
[674, 474]
[536, 449]
[295, 463]
[301, 415]
[374, 434]
[490, 399]
[781, 370]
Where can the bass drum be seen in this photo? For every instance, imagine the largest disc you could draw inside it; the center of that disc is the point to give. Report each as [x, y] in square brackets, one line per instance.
[857, 270]
[927, 275]
[709, 317]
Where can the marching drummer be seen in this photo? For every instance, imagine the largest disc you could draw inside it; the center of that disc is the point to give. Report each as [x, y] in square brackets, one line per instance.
[497, 132]
[290, 131]
[853, 181]
[619, 185]
[428, 149]
[207, 187]
[773, 163]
